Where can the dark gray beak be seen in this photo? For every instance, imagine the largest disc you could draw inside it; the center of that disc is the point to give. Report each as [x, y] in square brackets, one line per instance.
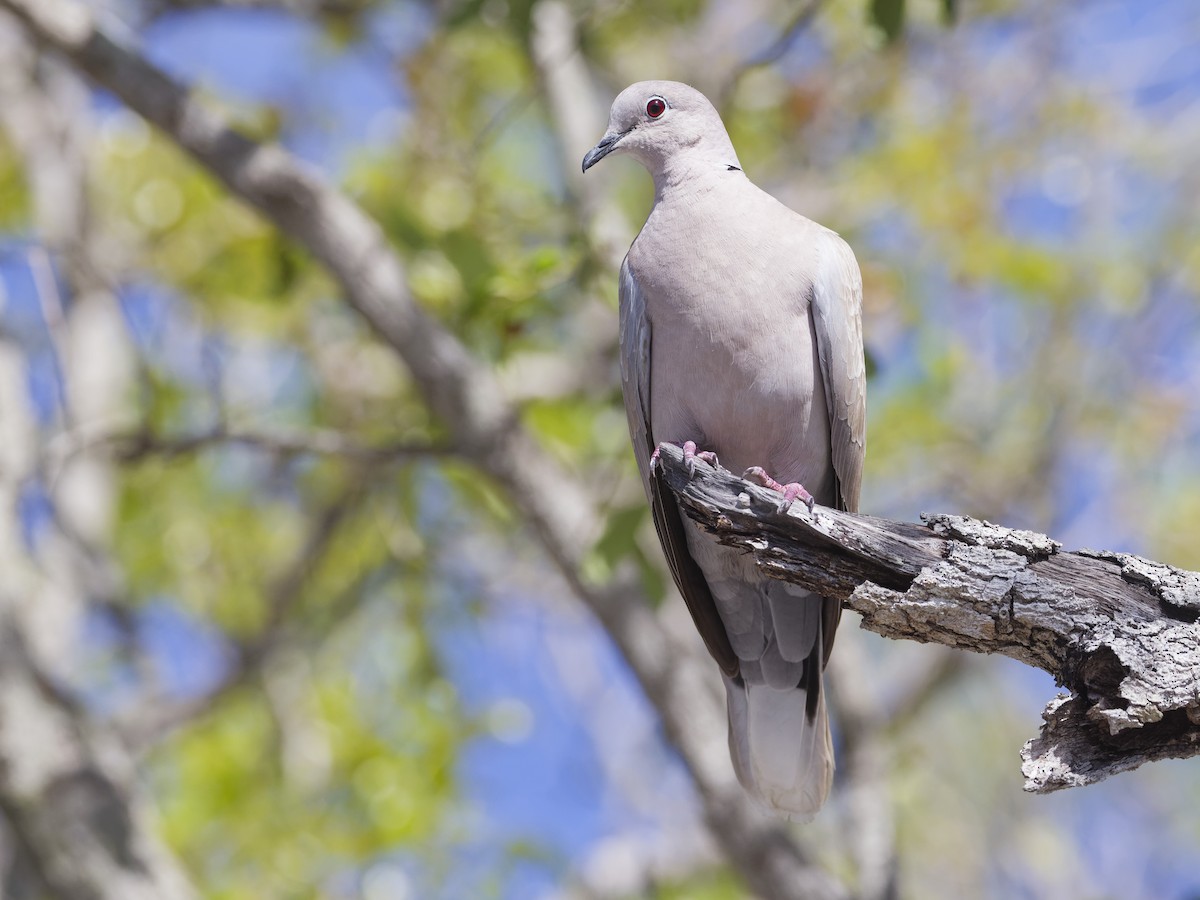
[606, 146]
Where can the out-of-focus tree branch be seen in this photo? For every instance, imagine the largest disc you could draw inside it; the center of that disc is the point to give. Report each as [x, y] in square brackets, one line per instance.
[864, 767]
[801, 19]
[70, 793]
[578, 119]
[467, 400]
[156, 716]
[871, 710]
[77, 815]
[137, 445]
[307, 8]
[1119, 631]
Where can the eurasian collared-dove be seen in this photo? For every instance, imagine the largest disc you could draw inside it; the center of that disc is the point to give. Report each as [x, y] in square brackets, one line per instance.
[741, 333]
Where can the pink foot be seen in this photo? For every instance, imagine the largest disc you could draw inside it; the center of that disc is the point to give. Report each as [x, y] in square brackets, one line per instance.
[690, 455]
[792, 491]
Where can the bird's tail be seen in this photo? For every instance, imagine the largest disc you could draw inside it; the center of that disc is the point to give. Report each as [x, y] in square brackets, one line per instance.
[780, 744]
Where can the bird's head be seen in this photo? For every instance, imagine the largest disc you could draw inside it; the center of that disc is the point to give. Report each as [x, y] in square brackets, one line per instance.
[657, 122]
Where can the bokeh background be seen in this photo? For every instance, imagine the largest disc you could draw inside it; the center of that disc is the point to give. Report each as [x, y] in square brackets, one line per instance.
[319, 648]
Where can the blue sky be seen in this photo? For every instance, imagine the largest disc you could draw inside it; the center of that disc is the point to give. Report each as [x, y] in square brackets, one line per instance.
[337, 100]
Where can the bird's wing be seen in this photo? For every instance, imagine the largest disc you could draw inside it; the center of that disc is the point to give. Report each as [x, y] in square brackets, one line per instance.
[836, 309]
[636, 341]
[836, 304]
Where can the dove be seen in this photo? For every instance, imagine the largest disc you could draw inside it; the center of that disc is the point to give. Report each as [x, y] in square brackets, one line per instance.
[741, 341]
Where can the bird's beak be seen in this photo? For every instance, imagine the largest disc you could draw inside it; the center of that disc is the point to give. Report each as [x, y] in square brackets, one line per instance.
[607, 145]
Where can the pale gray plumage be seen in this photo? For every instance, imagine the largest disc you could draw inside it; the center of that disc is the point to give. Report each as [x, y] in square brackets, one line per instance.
[741, 330]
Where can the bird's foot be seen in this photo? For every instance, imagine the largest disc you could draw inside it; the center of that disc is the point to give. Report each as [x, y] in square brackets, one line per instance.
[690, 455]
[792, 491]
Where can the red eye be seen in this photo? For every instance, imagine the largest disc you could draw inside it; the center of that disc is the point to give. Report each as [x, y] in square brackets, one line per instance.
[655, 107]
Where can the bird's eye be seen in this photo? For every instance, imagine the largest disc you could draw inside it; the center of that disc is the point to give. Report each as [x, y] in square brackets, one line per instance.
[655, 107]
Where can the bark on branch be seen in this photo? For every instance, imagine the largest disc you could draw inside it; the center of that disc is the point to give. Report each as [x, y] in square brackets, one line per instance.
[70, 794]
[1118, 631]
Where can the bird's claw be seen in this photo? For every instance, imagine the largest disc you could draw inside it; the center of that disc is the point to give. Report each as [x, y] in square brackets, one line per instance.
[690, 455]
[792, 491]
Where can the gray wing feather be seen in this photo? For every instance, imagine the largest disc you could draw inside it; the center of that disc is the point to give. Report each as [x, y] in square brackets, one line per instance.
[836, 305]
[635, 371]
[636, 343]
[837, 314]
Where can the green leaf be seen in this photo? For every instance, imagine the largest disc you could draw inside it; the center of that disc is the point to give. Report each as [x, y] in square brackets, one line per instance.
[888, 17]
[619, 538]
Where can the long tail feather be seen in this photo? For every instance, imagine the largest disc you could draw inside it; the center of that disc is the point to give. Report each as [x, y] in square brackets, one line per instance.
[782, 755]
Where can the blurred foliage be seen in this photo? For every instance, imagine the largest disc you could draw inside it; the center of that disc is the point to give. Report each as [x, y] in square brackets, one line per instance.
[1031, 324]
[14, 196]
[888, 17]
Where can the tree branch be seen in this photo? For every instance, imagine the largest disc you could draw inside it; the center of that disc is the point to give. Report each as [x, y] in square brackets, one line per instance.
[137, 445]
[70, 794]
[309, 8]
[802, 18]
[157, 716]
[1120, 632]
[77, 815]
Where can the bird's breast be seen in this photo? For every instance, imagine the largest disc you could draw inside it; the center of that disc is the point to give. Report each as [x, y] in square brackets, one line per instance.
[733, 358]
